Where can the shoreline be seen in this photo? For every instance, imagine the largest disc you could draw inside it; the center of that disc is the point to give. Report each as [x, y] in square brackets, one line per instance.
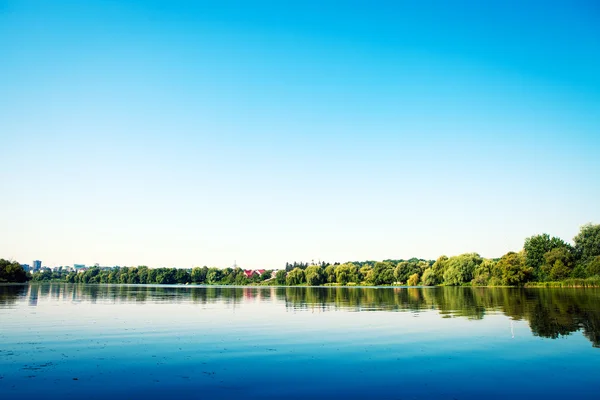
[531, 285]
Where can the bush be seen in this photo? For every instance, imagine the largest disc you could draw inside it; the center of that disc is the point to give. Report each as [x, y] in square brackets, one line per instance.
[481, 280]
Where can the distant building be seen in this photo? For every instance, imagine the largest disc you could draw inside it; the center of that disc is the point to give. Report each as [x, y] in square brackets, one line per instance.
[78, 266]
[26, 267]
[251, 272]
[37, 265]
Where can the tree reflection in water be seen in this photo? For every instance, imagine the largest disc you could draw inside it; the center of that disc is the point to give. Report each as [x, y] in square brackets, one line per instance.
[551, 313]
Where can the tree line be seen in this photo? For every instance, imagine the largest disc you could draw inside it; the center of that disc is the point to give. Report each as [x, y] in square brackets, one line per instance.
[542, 259]
[146, 275]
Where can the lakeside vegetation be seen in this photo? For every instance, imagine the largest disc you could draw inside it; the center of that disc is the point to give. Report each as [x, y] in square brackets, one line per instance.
[543, 261]
[12, 272]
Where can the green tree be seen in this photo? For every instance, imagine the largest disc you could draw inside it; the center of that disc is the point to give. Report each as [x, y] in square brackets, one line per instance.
[513, 269]
[267, 275]
[213, 275]
[295, 277]
[314, 275]
[198, 275]
[366, 272]
[12, 272]
[343, 274]
[438, 268]
[484, 272]
[559, 271]
[587, 242]
[405, 269]
[413, 280]
[535, 248]
[429, 278]
[558, 263]
[143, 274]
[593, 267]
[460, 268]
[383, 273]
[182, 276]
[329, 274]
[280, 277]
[152, 274]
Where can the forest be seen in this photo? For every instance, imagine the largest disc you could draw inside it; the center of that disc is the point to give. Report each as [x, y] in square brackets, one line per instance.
[543, 261]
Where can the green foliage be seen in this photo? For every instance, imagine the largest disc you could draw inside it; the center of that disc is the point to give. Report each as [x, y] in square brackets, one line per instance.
[198, 275]
[481, 279]
[558, 263]
[579, 272]
[587, 242]
[366, 272]
[429, 278]
[280, 277]
[593, 267]
[295, 277]
[484, 272]
[214, 275]
[413, 280]
[535, 249]
[495, 281]
[405, 269]
[314, 275]
[460, 268]
[438, 268]
[382, 274]
[513, 269]
[329, 274]
[12, 272]
[559, 271]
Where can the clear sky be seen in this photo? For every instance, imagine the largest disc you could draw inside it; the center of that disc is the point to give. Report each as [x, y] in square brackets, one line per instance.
[184, 133]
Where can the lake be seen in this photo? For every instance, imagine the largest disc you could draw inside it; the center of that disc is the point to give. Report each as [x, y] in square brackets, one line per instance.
[120, 341]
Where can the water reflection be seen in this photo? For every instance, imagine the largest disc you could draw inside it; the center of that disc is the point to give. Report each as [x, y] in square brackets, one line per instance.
[551, 313]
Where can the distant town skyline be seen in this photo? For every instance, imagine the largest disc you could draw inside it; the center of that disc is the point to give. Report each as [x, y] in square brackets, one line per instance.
[198, 133]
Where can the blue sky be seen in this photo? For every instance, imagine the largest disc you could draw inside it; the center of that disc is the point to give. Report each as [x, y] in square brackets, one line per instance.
[184, 133]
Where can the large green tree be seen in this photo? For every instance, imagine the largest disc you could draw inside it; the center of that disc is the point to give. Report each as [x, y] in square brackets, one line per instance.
[295, 277]
[12, 272]
[513, 269]
[535, 248]
[329, 274]
[405, 269]
[558, 263]
[587, 242]
[593, 267]
[428, 278]
[383, 273]
[314, 275]
[438, 268]
[460, 268]
[280, 277]
[198, 275]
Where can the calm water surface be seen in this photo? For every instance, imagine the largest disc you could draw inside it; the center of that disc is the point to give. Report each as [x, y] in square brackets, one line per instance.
[100, 342]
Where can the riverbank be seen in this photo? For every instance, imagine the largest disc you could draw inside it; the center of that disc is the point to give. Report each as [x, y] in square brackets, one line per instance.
[593, 282]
